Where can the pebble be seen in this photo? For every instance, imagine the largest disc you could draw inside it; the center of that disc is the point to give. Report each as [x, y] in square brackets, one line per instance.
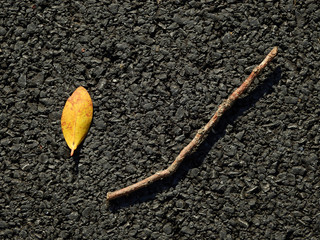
[187, 230]
[194, 172]
[73, 216]
[130, 168]
[101, 84]
[31, 28]
[180, 113]
[167, 229]
[86, 212]
[148, 106]
[298, 170]
[22, 81]
[3, 224]
[100, 124]
[113, 8]
[2, 31]
[230, 150]
[291, 100]
[239, 135]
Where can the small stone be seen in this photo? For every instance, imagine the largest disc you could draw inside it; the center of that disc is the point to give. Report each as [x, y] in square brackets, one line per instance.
[73, 216]
[175, 89]
[23, 234]
[254, 22]
[312, 159]
[64, 234]
[101, 84]
[228, 209]
[180, 138]
[180, 113]
[300, 19]
[132, 232]
[149, 150]
[180, 203]
[290, 179]
[37, 80]
[74, 200]
[317, 86]
[130, 168]
[155, 235]
[161, 76]
[22, 81]
[114, 8]
[31, 28]
[187, 230]
[15, 148]
[239, 135]
[2, 31]
[223, 233]
[199, 87]
[5, 141]
[54, 116]
[3, 224]
[189, 70]
[147, 232]
[43, 158]
[298, 170]
[25, 167]
[86, 212]
[122, 46]
[98, 71]
[291, 100]
[46, 101]
[230, 150]
[148, 106]
[100, 124]
[194, 172]
[265, 186]
[243, 223]
[227, 38]
[178, 19]
[167, 229]
[279, 236]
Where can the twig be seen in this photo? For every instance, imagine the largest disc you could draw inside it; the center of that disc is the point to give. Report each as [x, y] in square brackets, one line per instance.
[200, 136]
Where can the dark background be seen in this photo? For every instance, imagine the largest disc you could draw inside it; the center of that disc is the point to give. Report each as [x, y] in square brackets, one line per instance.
[156, 72]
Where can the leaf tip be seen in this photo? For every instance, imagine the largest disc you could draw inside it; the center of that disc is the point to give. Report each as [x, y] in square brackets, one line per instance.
[72, 151]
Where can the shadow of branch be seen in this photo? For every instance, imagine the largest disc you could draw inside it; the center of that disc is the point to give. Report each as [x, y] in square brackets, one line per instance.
[195, 159]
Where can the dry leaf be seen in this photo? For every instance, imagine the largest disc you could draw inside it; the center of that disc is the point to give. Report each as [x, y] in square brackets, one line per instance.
[76, 118]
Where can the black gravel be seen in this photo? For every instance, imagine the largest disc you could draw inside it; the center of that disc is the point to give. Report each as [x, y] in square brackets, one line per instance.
[156, 73]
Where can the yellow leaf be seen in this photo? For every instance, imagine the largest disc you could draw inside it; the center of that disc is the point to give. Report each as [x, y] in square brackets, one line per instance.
[76, 118]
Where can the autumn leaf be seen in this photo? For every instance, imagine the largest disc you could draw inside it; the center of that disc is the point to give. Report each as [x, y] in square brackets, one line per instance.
[76, 118]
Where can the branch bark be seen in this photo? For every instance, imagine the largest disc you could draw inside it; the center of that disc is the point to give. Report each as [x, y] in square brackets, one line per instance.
[200, 136]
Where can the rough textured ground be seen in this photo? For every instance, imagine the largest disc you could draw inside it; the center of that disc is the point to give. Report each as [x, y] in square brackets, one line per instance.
[156, 73]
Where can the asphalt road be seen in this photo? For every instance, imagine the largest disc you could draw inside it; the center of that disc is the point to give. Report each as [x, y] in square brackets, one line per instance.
[156, 72]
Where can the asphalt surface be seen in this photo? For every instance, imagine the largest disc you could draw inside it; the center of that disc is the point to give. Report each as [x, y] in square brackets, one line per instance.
[156, 72]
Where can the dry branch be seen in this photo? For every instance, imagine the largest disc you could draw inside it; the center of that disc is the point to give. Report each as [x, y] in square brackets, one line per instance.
[200, 136]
